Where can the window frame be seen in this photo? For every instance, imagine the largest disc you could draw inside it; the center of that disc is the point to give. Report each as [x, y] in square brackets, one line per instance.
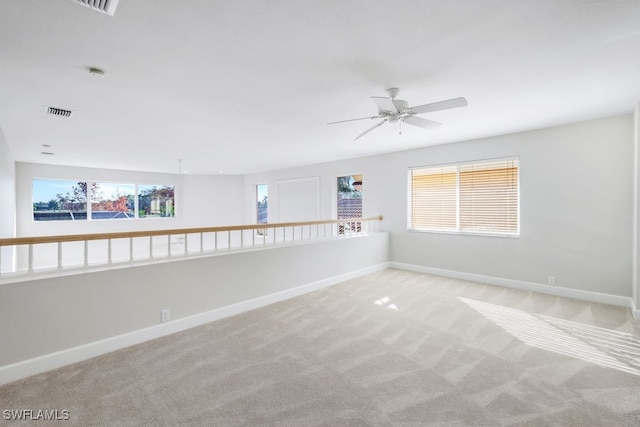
[90, 201]
[157, 187]
[257, 202]
[351, 179]
[458, 231]
[71, 218]
[337, 193]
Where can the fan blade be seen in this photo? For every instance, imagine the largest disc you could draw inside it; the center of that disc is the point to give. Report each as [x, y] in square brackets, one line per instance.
[421, 123]
[353, 120]
[384, 104]
[437, 106]
[370, 129]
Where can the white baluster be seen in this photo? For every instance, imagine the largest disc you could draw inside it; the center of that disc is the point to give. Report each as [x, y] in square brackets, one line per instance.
[59, 255]
[30, 260]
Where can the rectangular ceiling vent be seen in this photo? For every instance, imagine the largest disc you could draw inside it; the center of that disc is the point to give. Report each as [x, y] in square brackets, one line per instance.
[60, 112]
[105, 6]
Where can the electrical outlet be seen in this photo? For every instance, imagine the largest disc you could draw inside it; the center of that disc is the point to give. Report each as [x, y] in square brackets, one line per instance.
[165, 315]
[552, 280]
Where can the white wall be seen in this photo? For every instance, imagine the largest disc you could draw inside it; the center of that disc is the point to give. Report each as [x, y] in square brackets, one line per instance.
[46, 323]
[7, 189]
[635, 251]
[372, 168]
[210, 201]
[7, 201]
[297, 200]
[200, 200]
[576, 186]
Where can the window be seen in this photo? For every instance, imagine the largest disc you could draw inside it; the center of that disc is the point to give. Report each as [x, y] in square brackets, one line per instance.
[262, 203]
[156, 201]
[112, 201]
[350, 196]
[475, 197]
[60, 200]
[349, 201]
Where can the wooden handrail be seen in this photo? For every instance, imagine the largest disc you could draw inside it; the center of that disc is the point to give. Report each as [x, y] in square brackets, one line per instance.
[130, 234]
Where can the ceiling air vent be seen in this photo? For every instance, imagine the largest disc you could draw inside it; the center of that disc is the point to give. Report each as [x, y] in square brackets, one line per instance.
[105, 6]
[60, 112]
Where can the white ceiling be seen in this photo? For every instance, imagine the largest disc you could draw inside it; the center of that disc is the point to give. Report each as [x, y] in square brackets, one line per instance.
[249, 85]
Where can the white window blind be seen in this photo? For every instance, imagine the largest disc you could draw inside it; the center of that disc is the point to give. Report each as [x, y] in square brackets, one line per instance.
[434, 198]
[476, 197]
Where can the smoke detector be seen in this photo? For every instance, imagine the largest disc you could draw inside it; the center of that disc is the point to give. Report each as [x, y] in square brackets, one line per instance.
[108, 7]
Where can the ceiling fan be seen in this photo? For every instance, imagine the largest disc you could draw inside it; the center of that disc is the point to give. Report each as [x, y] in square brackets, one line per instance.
[394, 110]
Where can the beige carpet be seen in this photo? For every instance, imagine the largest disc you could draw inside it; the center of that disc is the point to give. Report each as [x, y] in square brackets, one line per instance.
[390, 348]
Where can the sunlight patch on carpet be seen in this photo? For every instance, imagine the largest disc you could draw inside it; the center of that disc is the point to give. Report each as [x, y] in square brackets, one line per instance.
[604, 347]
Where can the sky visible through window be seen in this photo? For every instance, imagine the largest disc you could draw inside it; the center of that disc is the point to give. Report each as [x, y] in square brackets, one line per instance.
[262, 190]
[111, 191]
[48, 189]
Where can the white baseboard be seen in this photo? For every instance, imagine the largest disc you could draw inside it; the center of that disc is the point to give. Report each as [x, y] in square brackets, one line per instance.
[37, 365]
[635, 312]
[527, 286]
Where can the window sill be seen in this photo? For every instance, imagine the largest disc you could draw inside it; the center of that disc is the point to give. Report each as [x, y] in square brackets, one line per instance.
[464, 233]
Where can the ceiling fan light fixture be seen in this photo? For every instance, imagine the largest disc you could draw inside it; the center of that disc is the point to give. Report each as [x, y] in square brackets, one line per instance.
[397, 110]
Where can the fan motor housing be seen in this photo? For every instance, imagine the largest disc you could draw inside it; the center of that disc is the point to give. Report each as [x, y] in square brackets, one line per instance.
[400, 104]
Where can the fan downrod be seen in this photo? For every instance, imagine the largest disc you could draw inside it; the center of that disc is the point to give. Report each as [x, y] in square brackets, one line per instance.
[393, 92]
